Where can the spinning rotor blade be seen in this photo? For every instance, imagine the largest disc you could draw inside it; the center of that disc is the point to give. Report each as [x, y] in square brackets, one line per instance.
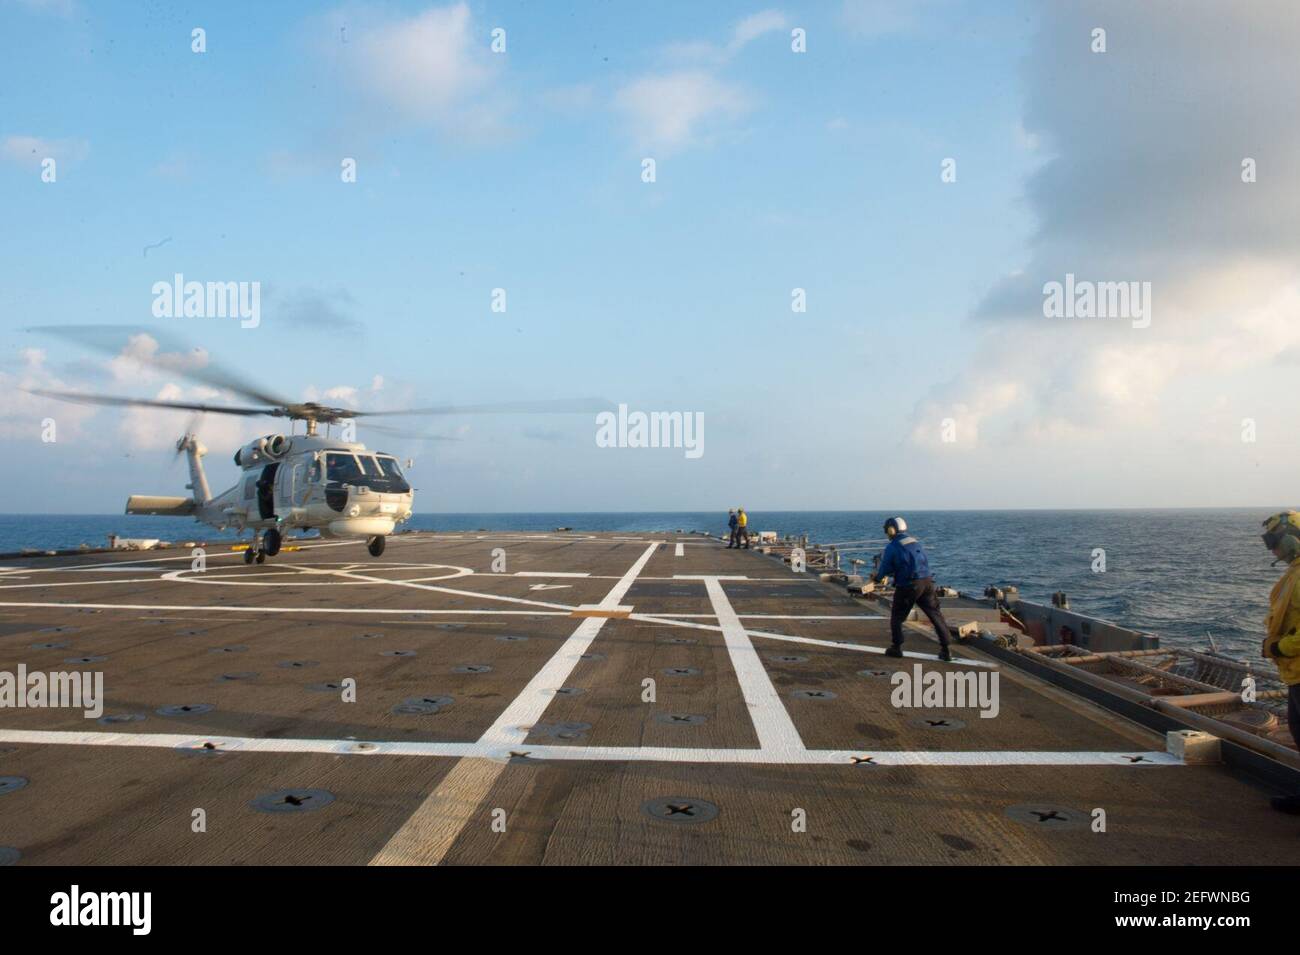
[191, 426]
[553, 406]
[399, 433]
[110, 340]
[169, 358]
[84, 398]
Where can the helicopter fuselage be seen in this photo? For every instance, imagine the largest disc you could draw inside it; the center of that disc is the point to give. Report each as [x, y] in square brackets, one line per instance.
[297, 482]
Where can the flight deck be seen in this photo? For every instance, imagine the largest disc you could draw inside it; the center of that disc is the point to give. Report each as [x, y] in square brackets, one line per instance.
[554, 698]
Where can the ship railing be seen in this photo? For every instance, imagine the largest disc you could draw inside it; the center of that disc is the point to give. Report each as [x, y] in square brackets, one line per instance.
[1208, 684]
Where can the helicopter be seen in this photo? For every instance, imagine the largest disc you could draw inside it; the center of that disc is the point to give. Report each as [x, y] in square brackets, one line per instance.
[293, 482]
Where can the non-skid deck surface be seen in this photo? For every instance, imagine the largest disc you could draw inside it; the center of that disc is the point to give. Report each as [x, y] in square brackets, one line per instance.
[602, 698]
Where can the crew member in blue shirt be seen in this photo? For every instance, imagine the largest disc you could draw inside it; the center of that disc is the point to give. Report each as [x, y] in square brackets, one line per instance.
[904, 559]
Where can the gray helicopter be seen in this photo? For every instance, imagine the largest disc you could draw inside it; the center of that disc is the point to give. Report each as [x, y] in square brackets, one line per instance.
[293, 482]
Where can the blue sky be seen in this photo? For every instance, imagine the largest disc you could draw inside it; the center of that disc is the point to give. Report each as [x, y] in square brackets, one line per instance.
[522, 170]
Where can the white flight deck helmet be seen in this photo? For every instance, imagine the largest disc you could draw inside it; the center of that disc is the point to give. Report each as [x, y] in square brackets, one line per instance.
[895, 526]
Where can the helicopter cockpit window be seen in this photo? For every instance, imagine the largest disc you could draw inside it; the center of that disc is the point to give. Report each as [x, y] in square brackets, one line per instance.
[365, 470]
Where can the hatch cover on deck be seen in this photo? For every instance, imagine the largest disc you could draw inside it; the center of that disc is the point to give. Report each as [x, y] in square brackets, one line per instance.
[684, 809]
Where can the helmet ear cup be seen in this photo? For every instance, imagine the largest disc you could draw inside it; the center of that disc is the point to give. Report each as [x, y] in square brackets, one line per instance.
[1282, 534]
[1279, 529]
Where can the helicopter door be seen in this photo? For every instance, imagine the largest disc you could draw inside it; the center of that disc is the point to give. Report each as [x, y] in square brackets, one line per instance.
[289, 478]
[265, 490]
[299, 488]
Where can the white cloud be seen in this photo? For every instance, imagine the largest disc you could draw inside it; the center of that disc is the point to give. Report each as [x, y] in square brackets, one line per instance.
[754, 26]
[135, 428]
[21, 414]
[1141, 182]
[60, 8]
[347, 396]
[425, 63]
[434, 68]
[668, 111]
[32, 150]
[157, 429]
[743, 33]
[690, 102]
[141, 360]
[874, 18]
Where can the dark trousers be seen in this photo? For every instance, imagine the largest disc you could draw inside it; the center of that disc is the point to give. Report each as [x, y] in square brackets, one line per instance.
[734, 540]
[1293, 712]
[919, 593]
[742, 533]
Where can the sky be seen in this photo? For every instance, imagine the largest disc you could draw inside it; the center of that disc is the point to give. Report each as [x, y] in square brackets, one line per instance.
[915, 174]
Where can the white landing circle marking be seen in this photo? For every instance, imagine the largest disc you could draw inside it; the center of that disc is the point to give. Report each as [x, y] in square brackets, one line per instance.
[300, 575]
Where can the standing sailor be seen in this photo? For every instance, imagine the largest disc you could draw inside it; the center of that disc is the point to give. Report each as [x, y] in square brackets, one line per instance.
[1282, 627]
[904, 559]
[742, 527]
[734, 539]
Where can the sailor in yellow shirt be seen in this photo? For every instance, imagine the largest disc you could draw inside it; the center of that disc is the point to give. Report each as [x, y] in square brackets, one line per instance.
[1282, 628]
[742, 526]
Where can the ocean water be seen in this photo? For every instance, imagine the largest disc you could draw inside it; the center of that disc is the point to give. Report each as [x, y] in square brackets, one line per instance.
[1178, 573]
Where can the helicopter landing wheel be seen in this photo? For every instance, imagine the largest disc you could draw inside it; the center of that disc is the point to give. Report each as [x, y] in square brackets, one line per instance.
[271, 542]
[249, 554]
[376, 546]
[261, 557]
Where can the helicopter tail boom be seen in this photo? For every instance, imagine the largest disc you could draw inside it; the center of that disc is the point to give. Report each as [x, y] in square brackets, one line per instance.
[162, 506]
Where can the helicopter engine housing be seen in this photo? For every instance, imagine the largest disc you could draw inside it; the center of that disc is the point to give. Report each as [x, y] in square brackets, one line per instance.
[273, 447]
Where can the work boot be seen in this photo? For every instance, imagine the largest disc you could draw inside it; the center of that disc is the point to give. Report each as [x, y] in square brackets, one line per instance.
[893, 650]
[945, 655]
[1287, 804]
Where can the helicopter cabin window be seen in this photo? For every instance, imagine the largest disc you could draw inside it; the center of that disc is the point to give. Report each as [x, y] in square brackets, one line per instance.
[379, 473]
[250, 488]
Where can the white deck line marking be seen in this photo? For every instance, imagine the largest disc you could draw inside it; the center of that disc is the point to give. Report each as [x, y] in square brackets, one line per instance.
[441, 590]
[527, 708]
[772, 723]
[215, 578]
[771, 616]
[344, 610]
[907, 654]
[497, 756]
[432, 829]
[76, 583]
[547, 573]
[678, 552]
[643, 578]
[159, 560]
[296, 571]
[788, 638]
